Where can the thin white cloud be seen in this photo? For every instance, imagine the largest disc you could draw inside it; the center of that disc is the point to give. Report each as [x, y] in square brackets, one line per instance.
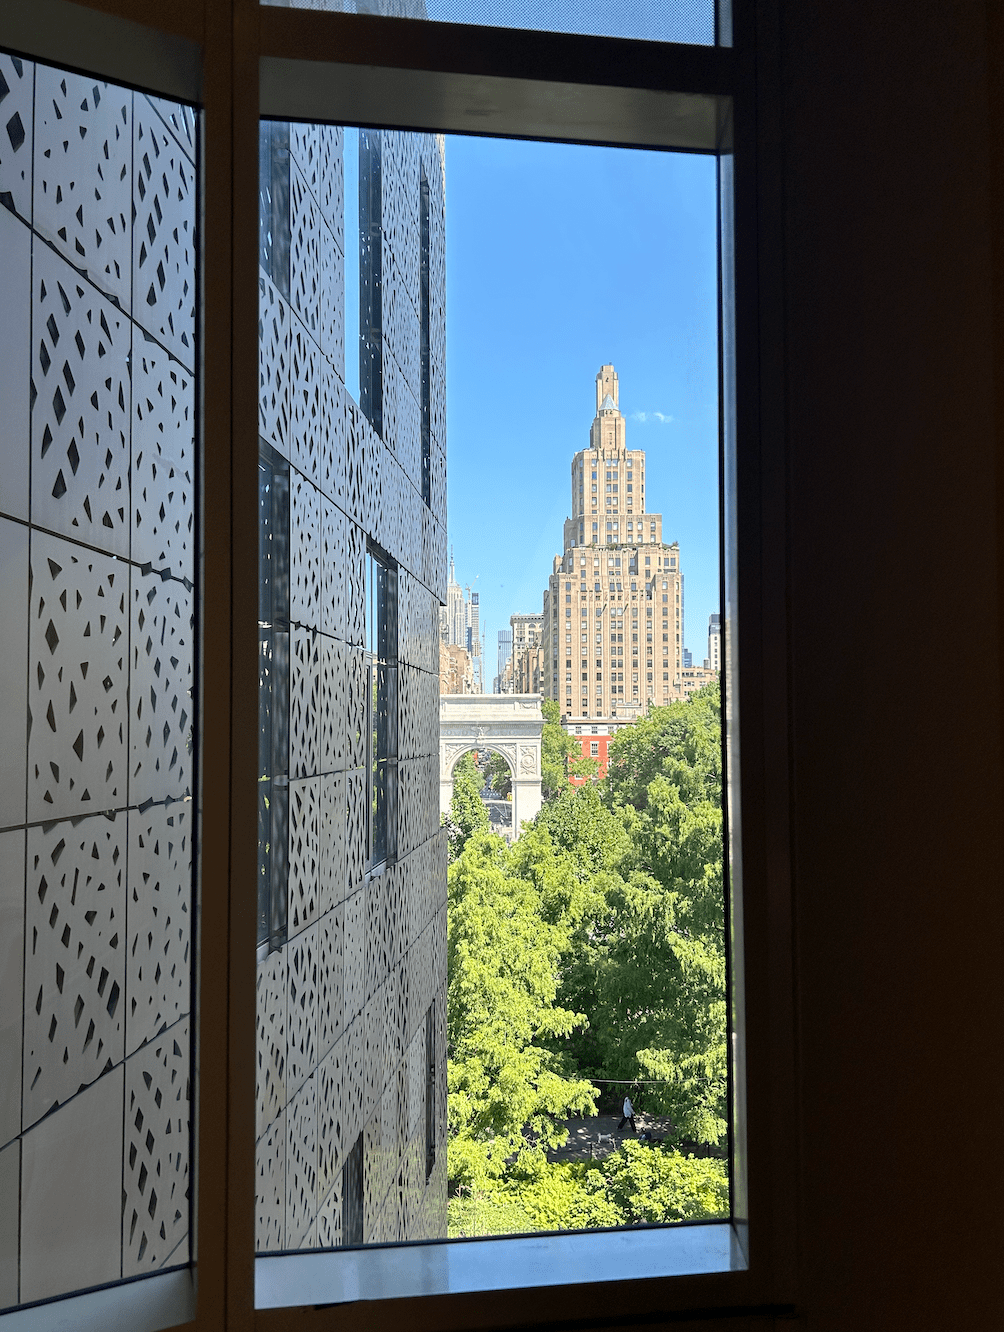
[643, 417]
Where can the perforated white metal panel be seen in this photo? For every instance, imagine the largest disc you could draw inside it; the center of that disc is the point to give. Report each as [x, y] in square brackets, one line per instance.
[98, 403]
[356, 943]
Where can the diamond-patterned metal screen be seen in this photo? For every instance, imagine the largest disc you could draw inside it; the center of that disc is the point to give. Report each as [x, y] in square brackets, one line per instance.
[343, 997]
[97, 536]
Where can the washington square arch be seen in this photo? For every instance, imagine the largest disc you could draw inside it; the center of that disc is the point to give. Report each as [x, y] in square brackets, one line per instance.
[507, 724]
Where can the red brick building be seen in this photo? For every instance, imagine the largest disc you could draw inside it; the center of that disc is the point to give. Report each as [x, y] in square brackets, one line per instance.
[594, 738]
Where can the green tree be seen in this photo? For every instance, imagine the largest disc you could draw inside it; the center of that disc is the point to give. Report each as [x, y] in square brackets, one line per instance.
[555, 748]
[499, 776]
[636, 1184]
[658, 1009]
[508, 1092]
[468, 814]
[587, 768]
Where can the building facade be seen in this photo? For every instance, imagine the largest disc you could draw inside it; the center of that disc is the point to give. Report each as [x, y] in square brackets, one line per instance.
[504, 657]
[714, 661]
[593, 740]
[456, 670]
[525, 668]
[351, 1097]
[98, 209]
[613, 632]
[460, 623]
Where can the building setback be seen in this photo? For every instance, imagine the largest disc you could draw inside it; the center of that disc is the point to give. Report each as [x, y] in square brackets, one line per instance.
[613, 607]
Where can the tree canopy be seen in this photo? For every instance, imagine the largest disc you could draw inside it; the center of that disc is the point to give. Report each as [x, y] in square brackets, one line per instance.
[468, 814]
[555, 748]
[499, 776]
[508, 1093]
[593, 948]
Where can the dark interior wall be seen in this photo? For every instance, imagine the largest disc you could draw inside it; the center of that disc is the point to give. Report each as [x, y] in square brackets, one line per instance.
[894, 604]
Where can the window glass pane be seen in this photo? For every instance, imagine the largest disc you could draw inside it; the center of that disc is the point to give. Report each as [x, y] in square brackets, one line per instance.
[688, 21]
[350, 233]
[581, 798]
[98, 555]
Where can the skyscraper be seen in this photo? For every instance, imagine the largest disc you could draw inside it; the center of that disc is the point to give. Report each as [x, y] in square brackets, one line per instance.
[504, 654]
[613, 628]
[456, 616]
[714, 661]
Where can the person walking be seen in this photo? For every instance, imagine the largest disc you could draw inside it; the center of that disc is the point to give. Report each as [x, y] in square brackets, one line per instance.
[628, 1117]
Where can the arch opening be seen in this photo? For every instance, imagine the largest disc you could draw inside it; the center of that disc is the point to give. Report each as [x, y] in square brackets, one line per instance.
[506, 727]
[497, 772]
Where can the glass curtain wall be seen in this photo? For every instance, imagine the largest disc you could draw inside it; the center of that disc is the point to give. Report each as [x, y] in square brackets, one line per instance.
[98, 549]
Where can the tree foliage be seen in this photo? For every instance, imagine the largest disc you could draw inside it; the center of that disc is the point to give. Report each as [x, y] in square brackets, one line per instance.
[633, 1185]
[593, 948]
[468, 814]
[586, 768]
[508, 1093]
[555, 748]
[499, 776]
[659, 1007]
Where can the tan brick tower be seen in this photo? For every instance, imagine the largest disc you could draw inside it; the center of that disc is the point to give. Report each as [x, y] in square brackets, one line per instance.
[613, 609]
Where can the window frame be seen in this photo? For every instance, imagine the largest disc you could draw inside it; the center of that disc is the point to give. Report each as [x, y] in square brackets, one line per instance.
[239, 62]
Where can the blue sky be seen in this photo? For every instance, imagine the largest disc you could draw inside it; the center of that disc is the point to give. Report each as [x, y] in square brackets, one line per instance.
[560, 259]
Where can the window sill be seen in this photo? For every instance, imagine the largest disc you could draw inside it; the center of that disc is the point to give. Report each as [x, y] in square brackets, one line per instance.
[164, 1299]
[398, 1271]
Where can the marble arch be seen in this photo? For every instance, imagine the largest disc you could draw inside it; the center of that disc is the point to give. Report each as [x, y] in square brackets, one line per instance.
[509, 724]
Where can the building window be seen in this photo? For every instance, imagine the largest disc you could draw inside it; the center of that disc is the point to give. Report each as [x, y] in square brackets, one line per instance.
[273, 203]
[381, 697]
[273, 695]
[425, 331]
[430, 1090]
[594, 748]
[352, 1194]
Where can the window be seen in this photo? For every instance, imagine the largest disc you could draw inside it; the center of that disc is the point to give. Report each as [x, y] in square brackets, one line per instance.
[425, 324]
[431, 1090]
[594, 748]
[381, 694]
[273, 696]
[380, 656]
[353, 1195]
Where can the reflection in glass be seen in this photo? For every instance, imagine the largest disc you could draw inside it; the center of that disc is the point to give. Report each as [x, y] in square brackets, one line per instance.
[351, 234]
[273, 695]
[689, 21]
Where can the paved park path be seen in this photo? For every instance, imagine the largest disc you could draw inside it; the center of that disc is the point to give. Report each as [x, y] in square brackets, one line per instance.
[583, 1135]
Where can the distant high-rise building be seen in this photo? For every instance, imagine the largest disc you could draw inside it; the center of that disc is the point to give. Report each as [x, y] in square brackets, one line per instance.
[613, 630]
[714, 661]
[526, 630]
[504, 657]
[459, 622]
[688, 657]
[456, 617]
[527, 637]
